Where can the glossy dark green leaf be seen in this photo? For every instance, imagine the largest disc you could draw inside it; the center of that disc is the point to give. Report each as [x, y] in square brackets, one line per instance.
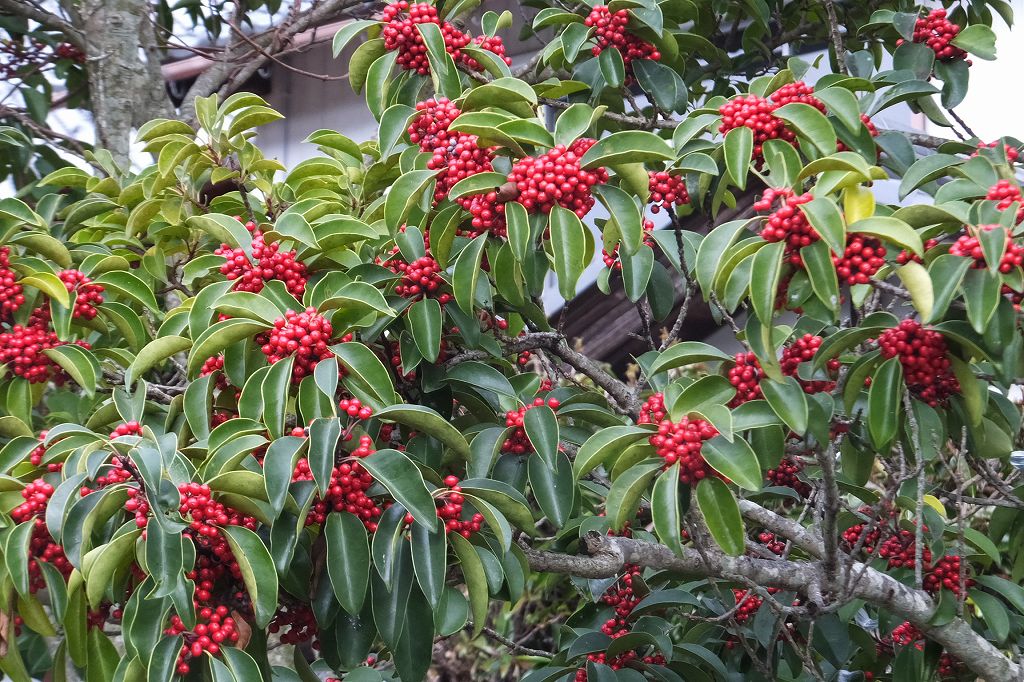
[624, 496]
[348, 559]
[553, 486]
[789, 401]
[735, 460]
[665, 509]
[884, 402]
[258, 571]
[396, 472]
[429, 560]
[722, 515]
[738, 148]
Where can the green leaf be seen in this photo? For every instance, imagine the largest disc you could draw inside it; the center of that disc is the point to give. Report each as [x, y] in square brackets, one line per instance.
[811, 124]
[627, 146]
[624, 495]
[274, 390]
[722, 515]
[155, 351]
[258, 571]
[978, 39]
[406, 193]
[218, 337]
[739, 149]
[518, 227]
[349, 31]
[425, 420]
[425, 322]
[822, 273]
[926, 169]
[993, 613]
[665, 509]
[764, 279]
[541, 428]
[789, 401]
[396, 472]
[49, 284]
[365, 376]
[16, 556]
[348, 559]
[603, 445]
[918, 282]
[981, 293]
[626, 214]
[824, 216]
[553, 486]
[843, 104]
[612, 67]
[481, 377]
[686, 353]
[278, 465]
[467, 272]
[480, 183]
[429, 553]
[568, 243]
[79, 363]
[891, 230]
[735, 460]
[574, 122]
[636, 272]
[476, 580]
[884, 402]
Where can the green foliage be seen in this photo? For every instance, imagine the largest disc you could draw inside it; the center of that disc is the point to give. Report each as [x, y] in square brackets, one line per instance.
[337, 411]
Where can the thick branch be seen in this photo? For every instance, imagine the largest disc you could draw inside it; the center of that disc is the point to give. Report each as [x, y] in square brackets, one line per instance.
[225, 74]
[556, 344]
[608, 555]
[44, 18]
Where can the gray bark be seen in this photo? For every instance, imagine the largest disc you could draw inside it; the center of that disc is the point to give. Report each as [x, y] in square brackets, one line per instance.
[124, 72]
[606, 556]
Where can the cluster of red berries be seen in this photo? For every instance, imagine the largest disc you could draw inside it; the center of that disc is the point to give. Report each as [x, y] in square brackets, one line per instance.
[854, 534]
[627, 659]
[970, 246]
[801, 92]
[787, 474]
[305, 335]
[421, 278]
[938, 32]
[748, 603]
[87, 294]
[745, 375]
[904, 256]
[518, 443]
[945, 574]
[678, 441]
[270, 264]
[450, 510]
[556, 178]
[21, 349]
[1007, 193]
[666, 190]
[137, 505]
[863, 257]
[11, 296]
[214, 627]
[300, 623]
[132, 428]
[900, 550]
[346, 490]
[431, 124]
[755, 112]
[787, 222]
[215, 365]
[952, 668]
[354, 408]
[802, 350]
[621, 597]
[207, 517]
[41, 546]
[611, 260]
[927, 370]
[906, 633]
[1012, 153]
[35, 457]
[772, 542]
[611, 31]
[457, 156]
[400, 33]
[19, 59]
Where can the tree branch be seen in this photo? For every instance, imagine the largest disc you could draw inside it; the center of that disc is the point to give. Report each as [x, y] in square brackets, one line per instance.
[606, 556]
[225, 75]
[44, 18]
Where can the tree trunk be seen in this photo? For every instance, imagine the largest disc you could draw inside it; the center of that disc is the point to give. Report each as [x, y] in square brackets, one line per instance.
[125, 84]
